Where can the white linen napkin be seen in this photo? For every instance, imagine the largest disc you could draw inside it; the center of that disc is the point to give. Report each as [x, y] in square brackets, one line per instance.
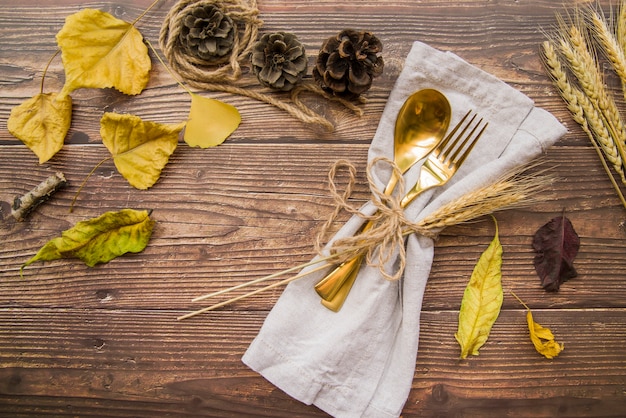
[360, 361]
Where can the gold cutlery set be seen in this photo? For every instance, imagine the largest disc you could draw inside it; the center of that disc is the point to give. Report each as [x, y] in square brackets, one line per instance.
[419, 133]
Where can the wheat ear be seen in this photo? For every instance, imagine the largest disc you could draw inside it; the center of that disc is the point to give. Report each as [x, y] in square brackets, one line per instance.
[583, 65]
[598, 93]
[610, 45]
[586, 70]
[581, 109]
[512, 190]
[571, 96]
[620, 26]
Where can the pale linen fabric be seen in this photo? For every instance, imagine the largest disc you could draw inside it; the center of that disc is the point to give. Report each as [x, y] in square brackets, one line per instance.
[360, 361]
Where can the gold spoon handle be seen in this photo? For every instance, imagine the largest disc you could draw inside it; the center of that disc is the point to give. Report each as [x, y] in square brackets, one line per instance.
[328, 287]
[343, 287]
[393, 180]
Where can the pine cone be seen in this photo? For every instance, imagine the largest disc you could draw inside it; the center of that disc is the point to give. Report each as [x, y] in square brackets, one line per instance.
[279, 60]
[348, 62]
[207, 33]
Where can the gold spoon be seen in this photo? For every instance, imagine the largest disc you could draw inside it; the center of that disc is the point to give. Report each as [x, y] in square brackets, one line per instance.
[420, 125]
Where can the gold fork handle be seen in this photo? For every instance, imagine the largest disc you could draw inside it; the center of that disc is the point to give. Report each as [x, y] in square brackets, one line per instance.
[429, 177]
[415, 192]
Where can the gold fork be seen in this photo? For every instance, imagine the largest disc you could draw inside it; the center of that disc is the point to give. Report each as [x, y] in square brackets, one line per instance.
[442, 163]
[445, 160]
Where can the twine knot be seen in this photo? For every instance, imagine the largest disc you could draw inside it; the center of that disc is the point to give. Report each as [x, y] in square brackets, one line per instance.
[383, 233]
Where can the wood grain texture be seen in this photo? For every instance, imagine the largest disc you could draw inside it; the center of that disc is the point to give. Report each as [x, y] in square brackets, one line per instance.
[104, 341]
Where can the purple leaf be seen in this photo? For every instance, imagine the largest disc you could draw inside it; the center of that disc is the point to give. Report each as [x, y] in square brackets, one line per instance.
[556, 245]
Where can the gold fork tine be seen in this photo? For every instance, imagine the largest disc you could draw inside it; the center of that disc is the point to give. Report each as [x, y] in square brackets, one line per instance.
[471, 146]
[455, 147]
[443, 163]
[445, 141]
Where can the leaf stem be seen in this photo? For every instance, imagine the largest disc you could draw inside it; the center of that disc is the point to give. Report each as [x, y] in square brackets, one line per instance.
[145, 12]
[169, 70]
[519, 300]
[80, 188]
[45, 71]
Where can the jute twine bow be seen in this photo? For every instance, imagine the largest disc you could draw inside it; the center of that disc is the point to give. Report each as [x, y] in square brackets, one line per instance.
[220, 76]
[386, 236]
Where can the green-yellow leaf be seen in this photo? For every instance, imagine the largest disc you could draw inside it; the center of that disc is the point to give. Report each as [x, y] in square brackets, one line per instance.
[210, 122]
[100, 51]
[100, 239]
[140, 149]
[41, 123]
[542, 338]
[482, 300]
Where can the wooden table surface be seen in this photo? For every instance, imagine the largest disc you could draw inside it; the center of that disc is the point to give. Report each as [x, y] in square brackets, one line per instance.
[104, 341]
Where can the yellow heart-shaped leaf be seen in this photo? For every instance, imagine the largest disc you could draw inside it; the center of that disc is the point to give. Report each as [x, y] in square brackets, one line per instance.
[140, 149]
[100, 51]
[210, 122]
[41, 123]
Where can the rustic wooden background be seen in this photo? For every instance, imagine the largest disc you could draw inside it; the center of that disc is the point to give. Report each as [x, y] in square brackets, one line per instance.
[104, 341]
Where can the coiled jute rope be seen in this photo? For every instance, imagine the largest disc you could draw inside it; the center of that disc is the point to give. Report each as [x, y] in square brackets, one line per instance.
[222, 75]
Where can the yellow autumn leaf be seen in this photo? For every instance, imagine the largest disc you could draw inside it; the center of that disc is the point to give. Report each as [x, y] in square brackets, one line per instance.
[100, 51]
[101, 239]
[41, 123]
[542, 338]
[482, 300]
[139, 149]
[210, 122]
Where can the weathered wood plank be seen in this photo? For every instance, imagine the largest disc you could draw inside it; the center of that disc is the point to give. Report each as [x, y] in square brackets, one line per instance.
[133, 363]
[221, 222]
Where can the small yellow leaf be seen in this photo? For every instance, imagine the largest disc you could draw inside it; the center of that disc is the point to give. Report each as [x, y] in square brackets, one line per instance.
[101, 239]
[210, 122]
[100, 51]
[140, 149]
[482, 300]
[542, 338]
[41, 123]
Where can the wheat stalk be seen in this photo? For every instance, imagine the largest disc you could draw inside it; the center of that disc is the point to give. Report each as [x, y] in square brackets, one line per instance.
[513, 190]
[587, 98]
[585, 67]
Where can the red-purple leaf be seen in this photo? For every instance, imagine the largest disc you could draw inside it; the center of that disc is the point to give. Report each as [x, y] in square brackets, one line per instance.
[556, 245]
